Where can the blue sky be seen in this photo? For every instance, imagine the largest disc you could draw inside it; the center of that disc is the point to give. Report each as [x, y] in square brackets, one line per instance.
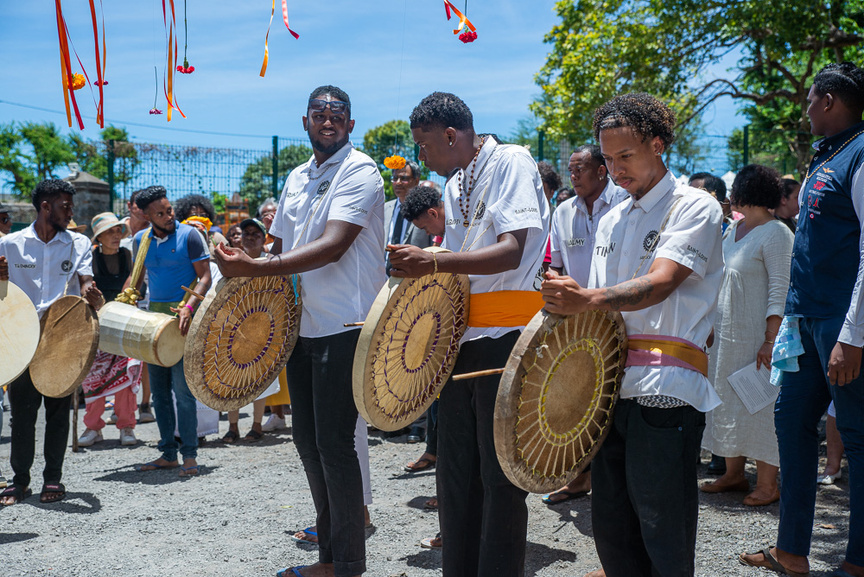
[387, 55]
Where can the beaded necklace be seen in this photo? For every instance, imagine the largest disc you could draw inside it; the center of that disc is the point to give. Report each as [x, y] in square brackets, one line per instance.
[839, 148]
[467, 193]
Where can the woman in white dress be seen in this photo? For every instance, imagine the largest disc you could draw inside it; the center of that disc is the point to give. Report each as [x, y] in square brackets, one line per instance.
[757, 250]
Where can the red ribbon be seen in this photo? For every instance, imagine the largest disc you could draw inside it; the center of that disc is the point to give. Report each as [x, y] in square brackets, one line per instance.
[66, 67]
[99, 64]
[267, 37]
[463, 20]
[168, 81]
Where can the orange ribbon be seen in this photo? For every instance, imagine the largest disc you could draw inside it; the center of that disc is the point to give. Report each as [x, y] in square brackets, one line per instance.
[66, 67]
[100, 66]
[503, 308]
[463, 20]
[168, 81]
[267, 37]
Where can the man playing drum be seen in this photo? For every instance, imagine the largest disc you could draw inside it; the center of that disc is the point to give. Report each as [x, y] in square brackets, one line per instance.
[47, 262]
[497, 227]
[657, 259]
[329, 229]
[177, 255]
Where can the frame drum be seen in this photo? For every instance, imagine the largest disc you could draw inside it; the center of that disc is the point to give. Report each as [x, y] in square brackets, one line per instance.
[19, 332]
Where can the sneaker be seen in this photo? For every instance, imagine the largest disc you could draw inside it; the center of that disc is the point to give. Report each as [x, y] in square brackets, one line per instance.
[112, 420]
[89, 438]
[416, 434]
[273, 423]
[127, 437]
[144, 414]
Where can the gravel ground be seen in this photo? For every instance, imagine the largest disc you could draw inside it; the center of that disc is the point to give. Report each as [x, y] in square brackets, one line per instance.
[237, 517]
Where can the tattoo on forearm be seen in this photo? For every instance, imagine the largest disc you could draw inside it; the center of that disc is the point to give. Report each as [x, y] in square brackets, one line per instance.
[628, 293]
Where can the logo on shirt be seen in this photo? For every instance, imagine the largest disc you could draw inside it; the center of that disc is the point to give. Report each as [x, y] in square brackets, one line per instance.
[694, 250]
[358, 209]
[576, 242]
[650, 240]
[481, 210]
[526, 210]
[827, 170]
[17, 265]
[453, 221]
[604, 250]
[539, 278]
[322, 188]
[66, 265]
[819, 185]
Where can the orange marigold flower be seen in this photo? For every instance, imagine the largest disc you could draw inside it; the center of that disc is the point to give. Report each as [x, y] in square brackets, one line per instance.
[78, 81]
[394, 162]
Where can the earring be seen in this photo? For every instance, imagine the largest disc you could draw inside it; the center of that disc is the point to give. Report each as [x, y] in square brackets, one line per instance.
[451, 143]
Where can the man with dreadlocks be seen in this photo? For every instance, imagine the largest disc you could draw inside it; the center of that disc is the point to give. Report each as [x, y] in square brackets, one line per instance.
[657, 259]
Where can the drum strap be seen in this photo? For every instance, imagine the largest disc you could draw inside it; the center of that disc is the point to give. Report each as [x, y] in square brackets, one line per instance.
[657, 350]
[503, 308]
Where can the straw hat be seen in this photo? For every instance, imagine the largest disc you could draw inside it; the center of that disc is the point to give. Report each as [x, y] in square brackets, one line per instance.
[105, 220]
[75, 227]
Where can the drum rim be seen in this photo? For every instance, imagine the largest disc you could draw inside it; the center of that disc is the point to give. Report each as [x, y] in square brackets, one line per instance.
[30, 311]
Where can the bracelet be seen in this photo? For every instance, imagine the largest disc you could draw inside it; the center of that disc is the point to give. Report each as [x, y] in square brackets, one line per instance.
[767, 342]
[190, 307]
[435, 261]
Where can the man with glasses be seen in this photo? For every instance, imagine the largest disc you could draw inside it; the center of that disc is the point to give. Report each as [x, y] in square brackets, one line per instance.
[329, 229]
[5, 220]
[399, 230]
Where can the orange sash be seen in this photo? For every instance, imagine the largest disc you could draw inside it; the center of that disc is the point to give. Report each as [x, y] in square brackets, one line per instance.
[664, 351]
[503, 308]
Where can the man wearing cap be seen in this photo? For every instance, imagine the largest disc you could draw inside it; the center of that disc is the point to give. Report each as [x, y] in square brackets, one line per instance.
[46, 261]
[5, 220]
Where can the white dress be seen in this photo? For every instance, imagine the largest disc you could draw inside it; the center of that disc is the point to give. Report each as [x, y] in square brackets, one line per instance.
[754, 287]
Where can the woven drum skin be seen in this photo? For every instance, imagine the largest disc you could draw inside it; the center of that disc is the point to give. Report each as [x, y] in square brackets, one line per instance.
[408, 346]
[70, 337]
[556, 397]
[241, 338]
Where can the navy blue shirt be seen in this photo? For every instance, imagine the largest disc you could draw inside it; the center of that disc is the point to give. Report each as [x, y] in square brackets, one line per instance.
[826, 254]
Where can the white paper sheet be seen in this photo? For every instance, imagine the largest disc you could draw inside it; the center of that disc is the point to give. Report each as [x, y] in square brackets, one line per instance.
[754, 387]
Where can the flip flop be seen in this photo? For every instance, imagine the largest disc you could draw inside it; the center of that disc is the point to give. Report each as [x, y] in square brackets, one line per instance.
[52, 492]
[568, 496]
[420, 465]
[189, 471]
[773, 563]
[307, 531]
[295, 571]
[17, 492]
[153, 466]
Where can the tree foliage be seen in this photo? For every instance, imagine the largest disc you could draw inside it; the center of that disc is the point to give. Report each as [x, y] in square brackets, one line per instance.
[256, 185]
[391, 138]
[93, 157]
[606, 47]
[31, 152]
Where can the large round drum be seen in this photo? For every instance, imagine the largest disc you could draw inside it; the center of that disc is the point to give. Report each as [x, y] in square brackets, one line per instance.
[127, 331]
[241, 338]
[556, 397]
[408, 346]
[19, 332]
[67, 347]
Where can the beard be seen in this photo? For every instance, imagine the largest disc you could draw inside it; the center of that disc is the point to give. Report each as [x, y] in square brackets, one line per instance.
[327, 149]
[56, 222]
[166, 231]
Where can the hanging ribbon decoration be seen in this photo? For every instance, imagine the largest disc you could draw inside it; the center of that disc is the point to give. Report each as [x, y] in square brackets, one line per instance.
[66, 68]
[168, 82]
[100, 64]
[469, 35]
[267, 37]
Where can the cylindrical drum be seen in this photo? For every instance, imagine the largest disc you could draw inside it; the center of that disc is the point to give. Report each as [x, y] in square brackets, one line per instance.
[67, 347]
[127, 331]
[408, 346]
[556, 397]
[19, 331]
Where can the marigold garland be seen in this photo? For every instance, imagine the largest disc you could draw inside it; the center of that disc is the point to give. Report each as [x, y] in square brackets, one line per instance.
[78, 81]
[394, 162]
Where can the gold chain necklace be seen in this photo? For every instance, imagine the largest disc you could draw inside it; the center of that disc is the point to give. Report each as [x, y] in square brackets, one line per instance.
[841, 147]
[467, 193]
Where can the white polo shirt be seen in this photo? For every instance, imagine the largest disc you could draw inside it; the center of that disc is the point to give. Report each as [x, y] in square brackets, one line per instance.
[47, 271]
[347, 187]
[507, 196]
[691, 238]
[573, 231]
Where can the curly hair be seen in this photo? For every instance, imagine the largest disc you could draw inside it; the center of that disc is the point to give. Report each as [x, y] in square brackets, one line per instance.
[757, 185]
[844, 81]
[418, 200]
[183, 207]
[646, 115]
[442, 110]
[50, 189]
[548, 175]
[149, 195]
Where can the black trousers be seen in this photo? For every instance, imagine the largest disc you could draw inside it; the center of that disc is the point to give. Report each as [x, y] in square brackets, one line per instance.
[323, 417]
[645, 501]
[25, 401]
[484, 519]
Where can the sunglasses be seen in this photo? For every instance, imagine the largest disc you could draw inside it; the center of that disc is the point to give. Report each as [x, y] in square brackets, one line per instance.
[336, 106]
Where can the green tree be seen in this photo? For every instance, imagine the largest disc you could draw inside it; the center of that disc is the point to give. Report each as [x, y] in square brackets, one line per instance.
[527, 133]
[605, 47]
[31, 152]
[93, 156]
[256, 185]
[389, 139]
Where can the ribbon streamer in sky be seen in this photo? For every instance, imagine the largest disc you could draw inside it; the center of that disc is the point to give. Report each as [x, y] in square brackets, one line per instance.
[463, 20]
[267, 37]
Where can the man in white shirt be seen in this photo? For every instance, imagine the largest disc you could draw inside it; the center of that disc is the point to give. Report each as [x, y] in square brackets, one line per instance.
[497, 227]
[658, 260]
[46, 261]
[329, 229]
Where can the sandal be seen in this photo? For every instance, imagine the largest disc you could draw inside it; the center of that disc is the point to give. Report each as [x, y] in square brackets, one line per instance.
[307, 532]
[52, 492]
[771, 563]
[18, 493]
[420, 465]
[253, 436]
[291, 571]
[231, 437]
[189, 471]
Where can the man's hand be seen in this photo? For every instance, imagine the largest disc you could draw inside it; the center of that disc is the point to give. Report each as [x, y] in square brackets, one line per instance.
[233, 261]
[409, 261]
[4, 268]
[844, 364]
[94, 296]
[563, 295]
[185, 316]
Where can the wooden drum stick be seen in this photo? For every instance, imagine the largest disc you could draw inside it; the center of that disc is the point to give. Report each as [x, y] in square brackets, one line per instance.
[476, 374]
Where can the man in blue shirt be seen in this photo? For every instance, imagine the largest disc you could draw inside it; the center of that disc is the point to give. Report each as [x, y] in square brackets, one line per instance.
[176, 257]
[826, 298]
